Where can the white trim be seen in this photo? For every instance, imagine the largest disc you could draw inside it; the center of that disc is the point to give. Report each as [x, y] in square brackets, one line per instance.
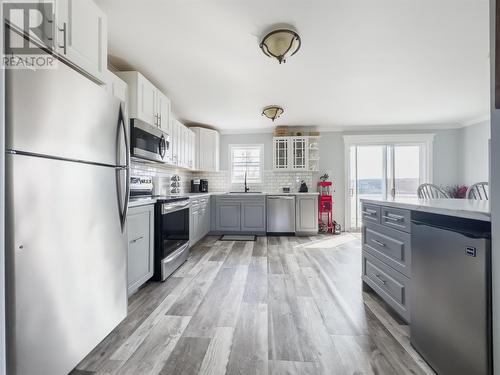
[367, 128]
[374, 139]
[244, 145]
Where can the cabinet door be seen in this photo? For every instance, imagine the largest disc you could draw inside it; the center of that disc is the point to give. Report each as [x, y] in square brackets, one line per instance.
[174, 139]
[146, 98]
[192, 225]
[253, 217]
[184, 145]
[281, 154]
[116, 86]
[140, 246]
[82, 35]
[162, 111]
[228, 216]
[306, 214]
[299, 153]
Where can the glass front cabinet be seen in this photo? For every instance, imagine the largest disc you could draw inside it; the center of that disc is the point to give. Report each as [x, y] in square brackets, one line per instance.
[291, 153]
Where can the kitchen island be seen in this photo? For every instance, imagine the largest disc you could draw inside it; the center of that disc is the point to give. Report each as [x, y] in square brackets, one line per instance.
[430, 261]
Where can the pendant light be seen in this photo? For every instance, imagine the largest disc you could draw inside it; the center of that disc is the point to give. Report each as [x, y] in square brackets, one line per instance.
[272, 112]
[280, 44]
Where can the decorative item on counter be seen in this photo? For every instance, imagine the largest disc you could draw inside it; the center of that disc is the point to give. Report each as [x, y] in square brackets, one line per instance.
[324, 177]
[303, 187]
[456, 191]
[286, 189]
[175, 184]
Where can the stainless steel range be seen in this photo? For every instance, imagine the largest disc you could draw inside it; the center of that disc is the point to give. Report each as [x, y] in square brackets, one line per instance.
[171, 235]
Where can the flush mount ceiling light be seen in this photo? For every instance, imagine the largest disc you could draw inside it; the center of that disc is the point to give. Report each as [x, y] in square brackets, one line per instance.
[272, 112]
[281, 44]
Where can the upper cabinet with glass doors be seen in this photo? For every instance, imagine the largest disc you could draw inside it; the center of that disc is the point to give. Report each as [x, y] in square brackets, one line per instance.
[293, 153]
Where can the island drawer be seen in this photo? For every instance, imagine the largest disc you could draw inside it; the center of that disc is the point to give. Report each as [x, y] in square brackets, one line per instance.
[370, 213]
[391, 246]
[389, 284]
[396, 218]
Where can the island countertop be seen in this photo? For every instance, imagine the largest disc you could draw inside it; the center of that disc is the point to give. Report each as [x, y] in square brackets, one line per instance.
[465, 208]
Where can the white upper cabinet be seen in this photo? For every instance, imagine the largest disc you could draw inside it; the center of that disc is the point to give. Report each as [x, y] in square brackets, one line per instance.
[206, 149]
[294, 153]
[78, 33]
[81, 35]
[146, 102]
[162, 110]
[116, 86]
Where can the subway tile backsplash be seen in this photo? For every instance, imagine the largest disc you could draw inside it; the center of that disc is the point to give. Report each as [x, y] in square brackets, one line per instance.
[272, 181]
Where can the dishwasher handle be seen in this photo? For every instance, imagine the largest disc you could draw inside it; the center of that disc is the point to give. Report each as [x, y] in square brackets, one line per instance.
[464, 231]
[281, 197]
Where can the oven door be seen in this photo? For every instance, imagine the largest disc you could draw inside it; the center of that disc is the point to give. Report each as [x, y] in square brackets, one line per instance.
[148, 142]
[174, 227]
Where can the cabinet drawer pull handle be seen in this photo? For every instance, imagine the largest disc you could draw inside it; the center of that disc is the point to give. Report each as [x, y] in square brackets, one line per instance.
[379, 243]
[381, 280]
[65, 37]
[137, 239]
[369, 212]
[393, 218]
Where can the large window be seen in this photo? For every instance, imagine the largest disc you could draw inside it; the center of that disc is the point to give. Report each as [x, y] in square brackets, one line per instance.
[246, 159]
[384, 166]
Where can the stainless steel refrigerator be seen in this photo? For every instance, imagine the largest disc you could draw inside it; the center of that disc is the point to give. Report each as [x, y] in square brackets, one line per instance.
[67, 193]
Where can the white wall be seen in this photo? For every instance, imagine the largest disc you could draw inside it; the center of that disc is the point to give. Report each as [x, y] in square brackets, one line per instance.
[474, 153]
[446, 162]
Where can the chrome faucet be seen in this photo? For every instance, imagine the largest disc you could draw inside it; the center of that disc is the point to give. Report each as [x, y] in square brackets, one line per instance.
[246, 187]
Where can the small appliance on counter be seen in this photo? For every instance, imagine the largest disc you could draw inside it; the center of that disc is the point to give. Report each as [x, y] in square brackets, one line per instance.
[195, 186]
[303, 187]
[175, 185]
[203, 186]
[199, 186]
[141, 186]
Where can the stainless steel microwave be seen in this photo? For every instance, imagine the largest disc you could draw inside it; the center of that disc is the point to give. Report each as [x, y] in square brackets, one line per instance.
[149, 142]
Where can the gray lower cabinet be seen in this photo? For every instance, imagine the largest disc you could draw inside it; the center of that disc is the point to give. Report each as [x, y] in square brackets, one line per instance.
[386, 243]
[228, 216]
[253, 217]
[140, 229]
[199, 219]
[240, 214]
[306, 215]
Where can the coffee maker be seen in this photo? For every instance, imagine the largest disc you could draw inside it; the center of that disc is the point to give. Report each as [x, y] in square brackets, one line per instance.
[203, 186]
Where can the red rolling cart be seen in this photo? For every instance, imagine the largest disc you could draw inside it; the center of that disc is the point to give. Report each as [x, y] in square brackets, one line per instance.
[325, 211]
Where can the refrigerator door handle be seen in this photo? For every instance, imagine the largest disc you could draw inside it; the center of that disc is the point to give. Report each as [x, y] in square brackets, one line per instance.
[123, 210]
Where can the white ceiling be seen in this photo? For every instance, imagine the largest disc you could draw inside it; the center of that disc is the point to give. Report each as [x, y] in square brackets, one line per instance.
[362, 63]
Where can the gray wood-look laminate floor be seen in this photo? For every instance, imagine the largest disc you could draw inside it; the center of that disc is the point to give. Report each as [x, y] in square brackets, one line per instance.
[279, 305]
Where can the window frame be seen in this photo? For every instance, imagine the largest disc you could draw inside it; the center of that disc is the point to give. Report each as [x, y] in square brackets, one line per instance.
[261, 161]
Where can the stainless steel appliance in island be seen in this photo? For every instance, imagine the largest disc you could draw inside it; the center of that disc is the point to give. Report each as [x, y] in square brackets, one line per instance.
[67, 163]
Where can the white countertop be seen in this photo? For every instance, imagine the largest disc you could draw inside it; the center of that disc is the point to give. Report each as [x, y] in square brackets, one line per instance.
[465, 208]
[147, 201]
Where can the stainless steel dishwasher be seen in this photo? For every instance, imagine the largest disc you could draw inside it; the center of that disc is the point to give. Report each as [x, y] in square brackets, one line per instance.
[281, 214]
[451, 293]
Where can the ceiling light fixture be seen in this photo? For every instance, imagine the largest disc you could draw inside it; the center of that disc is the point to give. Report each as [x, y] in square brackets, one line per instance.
[281, 44]
[272, 112]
